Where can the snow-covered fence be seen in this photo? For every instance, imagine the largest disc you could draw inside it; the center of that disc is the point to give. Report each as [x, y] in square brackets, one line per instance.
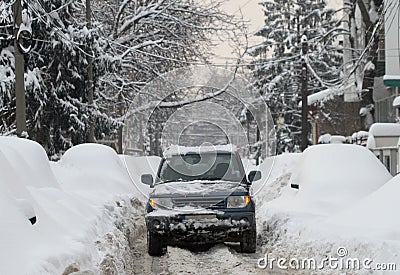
[360, 138]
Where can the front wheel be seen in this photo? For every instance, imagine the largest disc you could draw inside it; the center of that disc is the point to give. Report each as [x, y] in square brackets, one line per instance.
[249, 242]
[155, 245]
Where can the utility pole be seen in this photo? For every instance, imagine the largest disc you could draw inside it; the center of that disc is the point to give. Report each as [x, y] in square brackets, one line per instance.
[304, 95]
[90, 73]
[140, 121]
[120, 128]
[19, 73]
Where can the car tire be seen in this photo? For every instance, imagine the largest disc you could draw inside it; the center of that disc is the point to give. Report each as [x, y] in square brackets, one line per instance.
[249, 242]
[155, 245]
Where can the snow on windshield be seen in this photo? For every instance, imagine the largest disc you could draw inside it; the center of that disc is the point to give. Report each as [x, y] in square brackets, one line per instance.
[199, 188]
[182, 150]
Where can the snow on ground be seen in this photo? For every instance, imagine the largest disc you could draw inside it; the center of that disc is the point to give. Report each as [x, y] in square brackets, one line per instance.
[90, 212]
[137, 166]
[220, 259]
[273, 169]
[75, 201]
[344, 200]
[331, 177]
[379, 204]
[93, 171]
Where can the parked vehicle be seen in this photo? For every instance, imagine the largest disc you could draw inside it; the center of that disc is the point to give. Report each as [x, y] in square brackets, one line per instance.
[201, 196]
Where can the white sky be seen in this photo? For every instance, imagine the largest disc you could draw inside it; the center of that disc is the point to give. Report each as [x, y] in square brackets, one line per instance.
[252, 12]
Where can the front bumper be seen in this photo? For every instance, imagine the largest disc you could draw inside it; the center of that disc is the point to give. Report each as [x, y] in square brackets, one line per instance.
[200, 227]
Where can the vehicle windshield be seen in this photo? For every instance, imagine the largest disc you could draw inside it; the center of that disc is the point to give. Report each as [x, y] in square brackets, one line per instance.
[207, 166]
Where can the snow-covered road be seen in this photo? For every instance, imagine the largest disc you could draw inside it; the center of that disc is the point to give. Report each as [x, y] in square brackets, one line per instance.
[219, 259]
[126, 252]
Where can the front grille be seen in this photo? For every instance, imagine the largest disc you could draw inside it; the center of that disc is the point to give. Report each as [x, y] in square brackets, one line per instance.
[199, 202]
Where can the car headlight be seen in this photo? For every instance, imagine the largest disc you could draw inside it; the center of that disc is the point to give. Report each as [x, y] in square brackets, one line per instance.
[161, 203]
[238, 201]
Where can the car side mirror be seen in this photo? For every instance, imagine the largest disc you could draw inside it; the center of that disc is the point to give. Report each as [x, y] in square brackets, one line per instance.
[147, 179]
[254, 176]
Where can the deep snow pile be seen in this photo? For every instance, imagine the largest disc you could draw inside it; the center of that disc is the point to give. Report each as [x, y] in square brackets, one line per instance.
[375, 216]
[346, 198]
[332, 177]
[76, 202]
[276, 171]
[137, 166]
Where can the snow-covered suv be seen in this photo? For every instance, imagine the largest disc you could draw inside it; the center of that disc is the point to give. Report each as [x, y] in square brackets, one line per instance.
[201, 196]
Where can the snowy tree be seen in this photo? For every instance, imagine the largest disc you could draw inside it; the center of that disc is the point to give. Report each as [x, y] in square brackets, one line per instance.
[7, 104]
[364, 42]
[152, 37]
[55, 75]
[278, 60]
[131, 42]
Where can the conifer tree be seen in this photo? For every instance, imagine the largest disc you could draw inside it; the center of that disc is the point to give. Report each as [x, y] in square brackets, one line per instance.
[279, 58]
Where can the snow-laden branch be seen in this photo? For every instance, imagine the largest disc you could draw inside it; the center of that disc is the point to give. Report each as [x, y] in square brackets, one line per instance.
[180, 103]
[140, 46]
[142, 13]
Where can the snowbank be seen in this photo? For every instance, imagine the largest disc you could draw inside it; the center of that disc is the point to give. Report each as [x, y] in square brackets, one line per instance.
[137, 166]
[346, 198]
[374, 217]
[103, 172]
[276, 172]
[25, 179]
[331, 177]
[30, 157]
[73, 200]
[272, 168]
[16, 235]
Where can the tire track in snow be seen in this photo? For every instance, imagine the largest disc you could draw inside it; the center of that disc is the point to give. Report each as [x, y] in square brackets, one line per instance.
[220, 259]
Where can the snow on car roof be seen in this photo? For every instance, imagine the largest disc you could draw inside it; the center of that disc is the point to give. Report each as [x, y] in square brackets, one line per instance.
[385, 129]
[182, 150]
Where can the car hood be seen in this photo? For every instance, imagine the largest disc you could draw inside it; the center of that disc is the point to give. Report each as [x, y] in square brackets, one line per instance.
[198, 188]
